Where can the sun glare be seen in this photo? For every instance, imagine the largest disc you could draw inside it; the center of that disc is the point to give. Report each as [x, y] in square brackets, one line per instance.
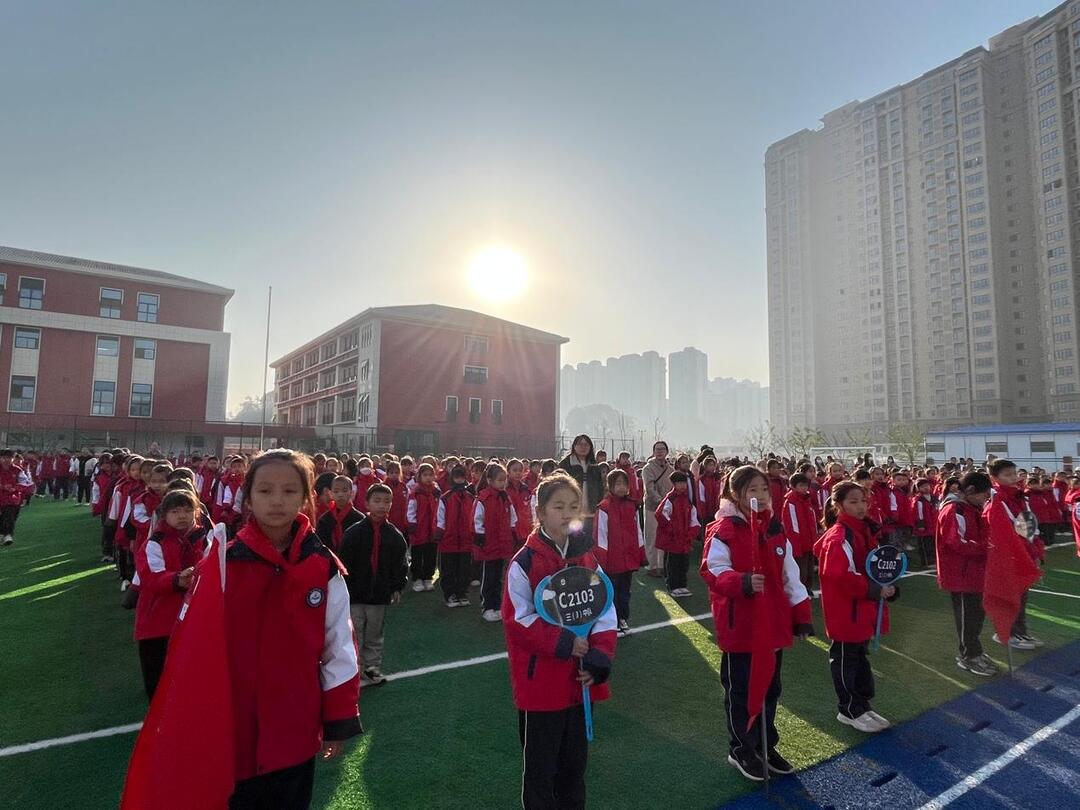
[498, 273]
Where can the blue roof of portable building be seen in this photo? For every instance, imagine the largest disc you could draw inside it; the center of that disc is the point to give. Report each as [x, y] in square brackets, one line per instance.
[1042, 427]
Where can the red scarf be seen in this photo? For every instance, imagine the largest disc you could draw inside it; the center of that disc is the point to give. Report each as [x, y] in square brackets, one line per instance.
[376, 542]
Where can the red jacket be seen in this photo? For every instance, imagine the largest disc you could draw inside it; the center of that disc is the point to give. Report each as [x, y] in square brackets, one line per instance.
[1044, 505]
[848, 596]
[521, 499]
[819, 499]
[676, 523]
[292, 656]
[13, 483]
[708, 491]
[207, 481]
[1072, 503]
[454, 521]
[620, 543]
[925, 513]
[129, 489]
[778, 487]
[48, 468]
[961, 547]
[727, 561]
[363, 483]
[1000, 512]
[543, 675]
[633, 480]
[399, 506]
[881, 505]
[1061, 495]
[494, 520]
[900, 507]
[142, 515]
[423, 505]
[797, 518]
[158, 561]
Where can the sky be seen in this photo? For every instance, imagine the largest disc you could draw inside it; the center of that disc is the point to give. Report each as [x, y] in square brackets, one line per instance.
[359, 154]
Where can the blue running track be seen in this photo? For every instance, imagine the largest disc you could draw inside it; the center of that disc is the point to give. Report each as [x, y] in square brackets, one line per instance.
[968, 738]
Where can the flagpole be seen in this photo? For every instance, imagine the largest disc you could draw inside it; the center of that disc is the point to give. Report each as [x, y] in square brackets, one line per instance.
[266, 366]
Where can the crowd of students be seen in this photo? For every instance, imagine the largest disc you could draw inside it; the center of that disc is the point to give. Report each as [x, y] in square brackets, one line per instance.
[353, 532]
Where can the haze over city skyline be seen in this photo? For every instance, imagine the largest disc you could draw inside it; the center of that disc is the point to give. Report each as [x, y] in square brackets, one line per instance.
[359, 156]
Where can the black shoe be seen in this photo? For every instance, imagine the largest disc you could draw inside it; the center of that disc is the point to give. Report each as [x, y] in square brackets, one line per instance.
[750, 767]
[777, 764]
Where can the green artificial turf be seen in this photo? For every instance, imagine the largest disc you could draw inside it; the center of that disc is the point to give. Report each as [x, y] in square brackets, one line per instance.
[449, 739]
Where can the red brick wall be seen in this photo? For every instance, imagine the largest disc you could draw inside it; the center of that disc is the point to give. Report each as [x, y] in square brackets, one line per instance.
[180, 376]
[79, 294]
[421, 365]
[65, 372]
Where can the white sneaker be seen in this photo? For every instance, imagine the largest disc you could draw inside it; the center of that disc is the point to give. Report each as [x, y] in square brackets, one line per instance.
[474, 584]
[1016, 642]
[8, 540]
[681, 593]
[463, 601]
[453, 602]
[418, 586]
[492, 616]
[429, 584]
[881, 721]
[864, 722]
[124, 585]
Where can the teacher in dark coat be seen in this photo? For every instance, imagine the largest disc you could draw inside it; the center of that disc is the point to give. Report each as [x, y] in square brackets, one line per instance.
[580, 464]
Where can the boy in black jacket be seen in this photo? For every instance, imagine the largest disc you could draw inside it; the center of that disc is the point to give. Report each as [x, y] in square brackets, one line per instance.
[373, 551]
[341, 516]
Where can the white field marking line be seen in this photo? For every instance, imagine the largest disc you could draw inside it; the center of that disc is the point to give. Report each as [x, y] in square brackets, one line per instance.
[40, 745]
[972, 781]
[1030, 590]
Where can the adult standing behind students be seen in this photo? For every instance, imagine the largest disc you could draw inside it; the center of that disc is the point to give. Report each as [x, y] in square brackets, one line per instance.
[656, 481]
[581, 465]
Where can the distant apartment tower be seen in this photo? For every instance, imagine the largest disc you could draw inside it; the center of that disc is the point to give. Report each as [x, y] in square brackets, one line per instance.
[688, 374]
[920, 257]
[633, 384]
[733, 408]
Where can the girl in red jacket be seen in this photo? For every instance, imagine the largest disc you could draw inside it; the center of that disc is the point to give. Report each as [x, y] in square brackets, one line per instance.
[549, 664]
[709, 484]
[165, 565]
[13, 483]
[423, 506]
[399, 507]
[144, 512]
[677, 527]
[800, 528]
[521, 498]
[924, 511]
[454, 533]
[1045, 506]
[620, 543]
[746, 558]
[849, 600]
[494, 521]
[295, 681]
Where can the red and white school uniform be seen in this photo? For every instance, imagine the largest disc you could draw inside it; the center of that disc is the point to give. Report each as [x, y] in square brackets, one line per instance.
[676, 523]
[362, 483]
[494, 521]
[158, 561]
[708, 491]
[454, 532]
[620, 542]
[520, 499]
[797, 518]
[1072, 502]
[421, 516]
[399, 506]
[143, 516]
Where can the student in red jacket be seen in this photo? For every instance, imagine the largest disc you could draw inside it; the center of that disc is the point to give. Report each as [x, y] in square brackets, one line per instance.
[849, 600]
[521, 498]
[709, 484]
[365, 477]
[144, 510]
[1045, 507]
[1000, 514]
[129, 488]
[341, 515]
[778, 485]
[800, 527]
[900, 516]
[1072, 503]
[13, 483]
[165, 564]
[228, 492]
[620, 542]
[399, 509]
[206, 480]
[626, 464]
[549, 664]
[454, 533]
[880, 509]
[423, 506]
[677, 527]
[747, 557]
[494, 522]
[295, 678]
[924, 510]
[961, 567]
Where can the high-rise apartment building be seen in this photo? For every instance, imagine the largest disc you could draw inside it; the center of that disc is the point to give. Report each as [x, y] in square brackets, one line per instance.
[688, 374]
[920, 259]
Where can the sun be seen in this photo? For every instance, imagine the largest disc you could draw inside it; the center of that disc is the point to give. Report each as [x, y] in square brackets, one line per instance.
[498, 273]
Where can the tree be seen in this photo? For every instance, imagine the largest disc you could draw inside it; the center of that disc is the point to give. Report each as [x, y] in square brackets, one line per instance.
[908, 440]
[799, 441]
[250, 410]
[598, 421]
[760, 440]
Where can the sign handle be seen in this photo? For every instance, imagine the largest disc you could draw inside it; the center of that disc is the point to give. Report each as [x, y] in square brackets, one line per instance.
[876, 644]
[764, 748]
[586, 704]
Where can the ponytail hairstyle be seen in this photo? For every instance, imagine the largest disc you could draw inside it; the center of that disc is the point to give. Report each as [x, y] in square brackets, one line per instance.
[552, 484]
[492, 470]
[739, 480]
[839, 493]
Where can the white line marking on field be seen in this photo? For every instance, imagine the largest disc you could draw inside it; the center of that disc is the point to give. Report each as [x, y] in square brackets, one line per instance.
[969, 783]
[1031, 590]
[26, 748]
[40, 745]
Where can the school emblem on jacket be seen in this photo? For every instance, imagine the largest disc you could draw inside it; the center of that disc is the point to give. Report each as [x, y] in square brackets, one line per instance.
[779, 551]
[315, 597]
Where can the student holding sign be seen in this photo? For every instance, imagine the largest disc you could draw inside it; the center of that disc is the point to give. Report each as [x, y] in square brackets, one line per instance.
[549, 665]
[849, 600]
[758, 604]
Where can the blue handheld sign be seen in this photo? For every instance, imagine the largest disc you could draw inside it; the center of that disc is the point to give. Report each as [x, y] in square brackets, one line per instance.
[575, 598]
[884, 565]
